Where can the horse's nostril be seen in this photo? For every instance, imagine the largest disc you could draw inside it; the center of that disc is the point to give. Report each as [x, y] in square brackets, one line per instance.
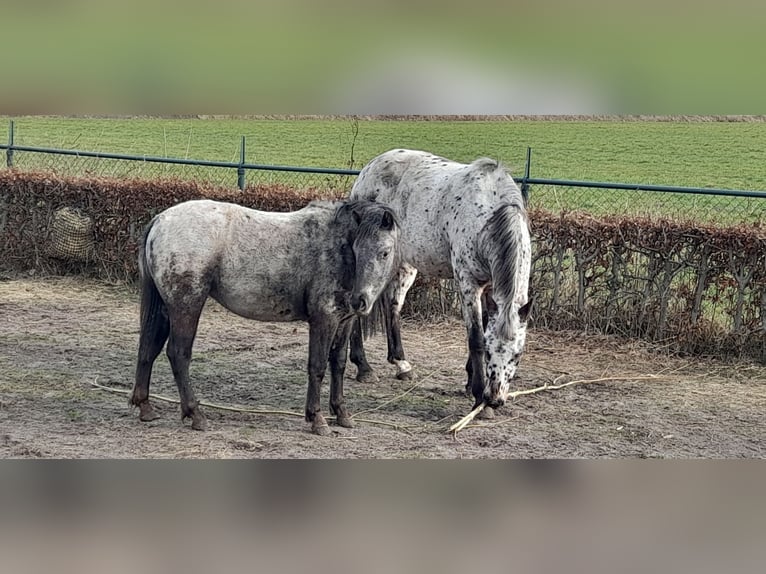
[359, 305]
[495, 402]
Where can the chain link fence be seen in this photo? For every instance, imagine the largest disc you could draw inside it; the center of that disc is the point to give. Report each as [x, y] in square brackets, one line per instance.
[223, 175]
[708, 206]
[724, 207]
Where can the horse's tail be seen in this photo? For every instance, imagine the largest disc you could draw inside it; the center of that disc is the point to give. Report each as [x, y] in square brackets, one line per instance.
[508, 251]
[154, 316]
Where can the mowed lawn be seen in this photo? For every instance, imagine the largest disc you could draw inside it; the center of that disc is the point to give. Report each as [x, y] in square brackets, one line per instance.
[695, 153]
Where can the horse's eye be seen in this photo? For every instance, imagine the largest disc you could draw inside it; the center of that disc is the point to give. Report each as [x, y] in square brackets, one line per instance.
[384, 254]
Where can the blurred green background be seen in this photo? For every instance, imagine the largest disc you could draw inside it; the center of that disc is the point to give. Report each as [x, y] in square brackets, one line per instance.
[297, 56]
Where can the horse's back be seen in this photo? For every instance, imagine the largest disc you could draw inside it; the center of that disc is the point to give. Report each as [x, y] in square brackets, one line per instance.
[248, 260]
[442, 204]
[389, 176]
[187, 235]
[418, 184]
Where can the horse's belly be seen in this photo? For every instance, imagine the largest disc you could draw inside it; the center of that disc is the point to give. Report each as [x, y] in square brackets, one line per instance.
[260, 309]
[433, 268]
[431, 258]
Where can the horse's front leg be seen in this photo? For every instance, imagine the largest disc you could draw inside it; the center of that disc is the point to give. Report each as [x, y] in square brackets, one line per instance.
[472, 316]
[398, 292]
[488, 306]
[364, 373]
[338, 353]
[321, 335]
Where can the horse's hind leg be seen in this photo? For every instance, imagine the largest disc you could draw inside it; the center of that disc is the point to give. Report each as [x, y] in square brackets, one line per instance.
[364, 373]
[404, 280]
[338, 353]
[149, 347]
[183, 329]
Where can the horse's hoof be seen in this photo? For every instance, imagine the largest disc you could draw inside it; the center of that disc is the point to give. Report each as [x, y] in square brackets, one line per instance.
[486, 414]
[344, 421]
[319, 426]
[405, 376]
[147, 412]
[367, 377]
[199, 422]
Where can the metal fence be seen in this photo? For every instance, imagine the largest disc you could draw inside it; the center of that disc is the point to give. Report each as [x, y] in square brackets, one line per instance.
[723, 206]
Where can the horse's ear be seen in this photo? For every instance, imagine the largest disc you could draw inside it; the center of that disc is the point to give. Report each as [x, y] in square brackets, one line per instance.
[525, 309]
[388, 220]
[349, 207]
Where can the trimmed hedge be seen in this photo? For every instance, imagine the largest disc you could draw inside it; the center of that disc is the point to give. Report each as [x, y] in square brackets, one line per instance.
[119, 210]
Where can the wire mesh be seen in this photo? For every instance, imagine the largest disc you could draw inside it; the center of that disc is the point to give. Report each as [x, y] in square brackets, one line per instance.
[82, 166]
[720, 209]
[724, 210]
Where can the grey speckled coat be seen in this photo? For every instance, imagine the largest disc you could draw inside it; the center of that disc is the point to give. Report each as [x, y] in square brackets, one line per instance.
[323, 264]
[466, 221]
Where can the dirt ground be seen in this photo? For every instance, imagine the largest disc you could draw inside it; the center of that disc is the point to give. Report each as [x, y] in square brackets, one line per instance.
[58, 336]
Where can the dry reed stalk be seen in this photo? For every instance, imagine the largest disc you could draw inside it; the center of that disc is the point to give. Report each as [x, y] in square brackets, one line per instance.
[466, 420]
[247, 409]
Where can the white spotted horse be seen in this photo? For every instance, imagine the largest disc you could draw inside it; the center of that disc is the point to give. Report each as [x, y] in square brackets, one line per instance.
[462, 221]
[325, 264]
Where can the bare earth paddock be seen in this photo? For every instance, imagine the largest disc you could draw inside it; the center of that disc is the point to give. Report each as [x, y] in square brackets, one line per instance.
[57, 336]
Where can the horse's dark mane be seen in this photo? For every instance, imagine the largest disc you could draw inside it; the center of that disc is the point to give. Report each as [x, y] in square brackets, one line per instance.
[485, 164]
[505, 183]
[370, 219]
[502, 241]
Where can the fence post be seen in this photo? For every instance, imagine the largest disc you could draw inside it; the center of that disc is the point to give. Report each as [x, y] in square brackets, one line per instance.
[9, 151]
[241, 168]
[524, 184]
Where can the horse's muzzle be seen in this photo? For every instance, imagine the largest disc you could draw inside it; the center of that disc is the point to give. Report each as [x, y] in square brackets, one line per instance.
[494, 402]
[360, 305]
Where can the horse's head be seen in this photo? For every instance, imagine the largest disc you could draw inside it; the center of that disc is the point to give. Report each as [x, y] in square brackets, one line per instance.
[504, 337]
[376, 252]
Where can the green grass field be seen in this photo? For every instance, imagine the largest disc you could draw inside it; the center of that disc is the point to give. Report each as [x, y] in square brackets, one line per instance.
[686, 153]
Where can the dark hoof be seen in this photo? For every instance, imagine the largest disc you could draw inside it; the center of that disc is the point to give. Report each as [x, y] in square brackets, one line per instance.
[405, 376]
[320, 427]
[367, 377]
[486, 414]
[147, 412]
[199, 422]
[344, 421]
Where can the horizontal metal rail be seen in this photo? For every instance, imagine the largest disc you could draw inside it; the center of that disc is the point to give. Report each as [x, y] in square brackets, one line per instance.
[180, 161]
[646, 187]
[354, 172]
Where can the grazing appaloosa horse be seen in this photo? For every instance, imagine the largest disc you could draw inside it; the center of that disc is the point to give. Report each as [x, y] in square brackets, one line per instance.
[326, 264]
[463, 221]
